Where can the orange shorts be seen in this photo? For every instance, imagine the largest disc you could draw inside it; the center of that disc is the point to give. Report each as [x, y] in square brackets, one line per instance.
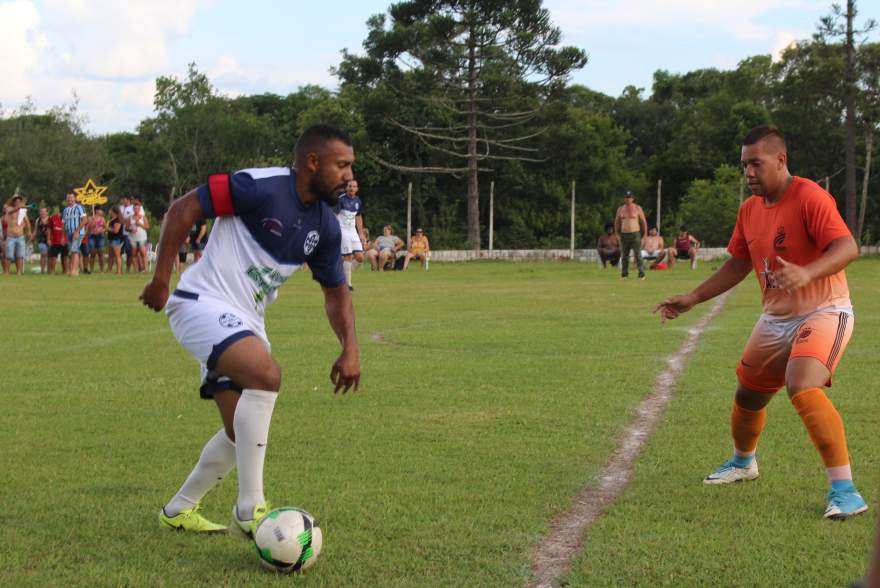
[822, 334]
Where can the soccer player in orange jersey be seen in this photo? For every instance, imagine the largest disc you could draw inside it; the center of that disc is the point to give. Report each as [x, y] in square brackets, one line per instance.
[790, 232]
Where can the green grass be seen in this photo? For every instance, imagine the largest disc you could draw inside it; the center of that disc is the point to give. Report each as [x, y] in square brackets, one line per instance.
[491, 393]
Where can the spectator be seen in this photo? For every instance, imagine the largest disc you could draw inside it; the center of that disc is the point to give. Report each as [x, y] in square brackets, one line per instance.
[137, 233]
[115, 236]
[126, 209]
[17, 224]
[630, 223]
[384, 249]
[97, 229]
[74, 217]
[197, 238]
[653, 248]
[57, 242]
[608, 247]
[686, 246]
[418, 249]
[5, 262]
[41, 236]
[85, 245]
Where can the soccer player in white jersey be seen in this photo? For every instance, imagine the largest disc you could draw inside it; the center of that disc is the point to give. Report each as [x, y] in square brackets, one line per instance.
[269, 222]
[351, 222]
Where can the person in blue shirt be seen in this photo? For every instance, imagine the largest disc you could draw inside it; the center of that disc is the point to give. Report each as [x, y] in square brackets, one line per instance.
[269, 223]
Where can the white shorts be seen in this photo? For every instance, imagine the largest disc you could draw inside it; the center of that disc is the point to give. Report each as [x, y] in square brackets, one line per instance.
[651, 254]
[206, 327]
[351, 242]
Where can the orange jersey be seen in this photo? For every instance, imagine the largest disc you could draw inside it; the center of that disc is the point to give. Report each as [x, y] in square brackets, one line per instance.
[797, 228]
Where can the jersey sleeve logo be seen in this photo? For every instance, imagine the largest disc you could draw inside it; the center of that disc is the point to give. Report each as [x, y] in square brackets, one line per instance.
[311, 242]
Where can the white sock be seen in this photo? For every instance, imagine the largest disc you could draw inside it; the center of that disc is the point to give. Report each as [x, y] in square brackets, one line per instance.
[346, 267]
[251, 424]
[216, 461]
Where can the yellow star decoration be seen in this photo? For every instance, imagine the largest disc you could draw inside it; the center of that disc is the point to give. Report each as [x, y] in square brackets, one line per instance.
[90, 193]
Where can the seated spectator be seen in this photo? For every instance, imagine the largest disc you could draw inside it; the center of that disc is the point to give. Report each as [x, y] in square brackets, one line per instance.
[418, 249]
[384, 250]
[686, 246]
[608, 247]
[653, 248]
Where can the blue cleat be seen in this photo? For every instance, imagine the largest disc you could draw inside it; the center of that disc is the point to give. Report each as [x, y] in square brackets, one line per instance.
[844, 503]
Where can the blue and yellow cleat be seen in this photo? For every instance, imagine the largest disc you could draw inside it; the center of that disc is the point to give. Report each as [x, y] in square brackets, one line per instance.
[844, 503]
[190, 520]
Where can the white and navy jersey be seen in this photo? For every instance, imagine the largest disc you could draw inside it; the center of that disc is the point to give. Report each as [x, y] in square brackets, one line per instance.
[347, 210]
[263, 233]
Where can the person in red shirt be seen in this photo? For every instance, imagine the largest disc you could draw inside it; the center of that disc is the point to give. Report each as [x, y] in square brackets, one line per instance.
[791, 233]
[57, 242]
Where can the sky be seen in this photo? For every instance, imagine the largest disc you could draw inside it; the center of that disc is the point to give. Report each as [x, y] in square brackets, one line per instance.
[108, 53]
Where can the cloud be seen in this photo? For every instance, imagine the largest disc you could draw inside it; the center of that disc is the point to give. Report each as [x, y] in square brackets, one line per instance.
[22, 43]
[722, 17]
[116, 40]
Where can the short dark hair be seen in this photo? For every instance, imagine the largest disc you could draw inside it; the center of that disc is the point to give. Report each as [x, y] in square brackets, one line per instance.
[682, 228]
[609, 226]
[762, 132]
[317, 135]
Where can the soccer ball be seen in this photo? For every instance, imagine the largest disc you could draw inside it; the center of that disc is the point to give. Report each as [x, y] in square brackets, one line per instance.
[288, 540]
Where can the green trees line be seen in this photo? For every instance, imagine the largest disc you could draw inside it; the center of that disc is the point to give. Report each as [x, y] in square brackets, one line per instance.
[450, 99]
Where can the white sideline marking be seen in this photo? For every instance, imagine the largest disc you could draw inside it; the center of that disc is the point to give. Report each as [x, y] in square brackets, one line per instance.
[565, 534]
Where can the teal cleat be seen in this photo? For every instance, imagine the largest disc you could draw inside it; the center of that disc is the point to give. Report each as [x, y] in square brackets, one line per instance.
[844, 503]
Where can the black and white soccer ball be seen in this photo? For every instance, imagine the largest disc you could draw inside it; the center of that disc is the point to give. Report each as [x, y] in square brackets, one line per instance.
[288, 540]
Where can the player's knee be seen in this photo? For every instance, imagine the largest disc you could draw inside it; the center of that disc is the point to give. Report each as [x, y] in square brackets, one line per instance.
[266, 376]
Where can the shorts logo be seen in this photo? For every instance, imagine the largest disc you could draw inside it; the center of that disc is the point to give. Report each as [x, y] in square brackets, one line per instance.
[229, 320]
[804, 335]
[311, 242]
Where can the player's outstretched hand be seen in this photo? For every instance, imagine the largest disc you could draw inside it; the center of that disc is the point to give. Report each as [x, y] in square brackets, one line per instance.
[346, 373]
[155, 294]
[791, 276]
[674, 306]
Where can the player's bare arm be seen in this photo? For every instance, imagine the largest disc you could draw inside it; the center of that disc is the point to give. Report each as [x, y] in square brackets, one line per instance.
[837, 256]
[181, 215]
[643, 222]
[346, 370]
[728, 275]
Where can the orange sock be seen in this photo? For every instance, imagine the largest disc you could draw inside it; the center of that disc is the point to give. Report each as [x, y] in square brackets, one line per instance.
[824, 425]
[746, 426]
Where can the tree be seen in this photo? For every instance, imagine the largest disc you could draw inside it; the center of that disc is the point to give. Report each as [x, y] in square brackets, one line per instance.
[476, 72]
[839, 24]
[709, 208]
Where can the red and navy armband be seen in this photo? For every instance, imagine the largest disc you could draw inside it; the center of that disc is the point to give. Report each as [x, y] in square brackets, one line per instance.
[216, 196]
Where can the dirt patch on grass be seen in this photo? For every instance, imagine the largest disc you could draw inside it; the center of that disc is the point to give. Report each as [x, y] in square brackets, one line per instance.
[566, 534]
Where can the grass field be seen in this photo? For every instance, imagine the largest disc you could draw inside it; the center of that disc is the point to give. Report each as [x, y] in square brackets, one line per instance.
[491, 393]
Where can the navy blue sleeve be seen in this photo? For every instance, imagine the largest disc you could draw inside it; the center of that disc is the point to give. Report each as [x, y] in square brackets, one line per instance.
[326, 261]
[226, 195]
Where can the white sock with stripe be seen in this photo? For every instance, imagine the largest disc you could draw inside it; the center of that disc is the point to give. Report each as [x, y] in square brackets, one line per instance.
[346, 267]
[215, 463]
[251, 423]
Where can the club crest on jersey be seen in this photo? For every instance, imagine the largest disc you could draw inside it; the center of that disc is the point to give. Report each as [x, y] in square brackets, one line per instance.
[311, 242]
[229, 320]
[272, 225]
[779, 239]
